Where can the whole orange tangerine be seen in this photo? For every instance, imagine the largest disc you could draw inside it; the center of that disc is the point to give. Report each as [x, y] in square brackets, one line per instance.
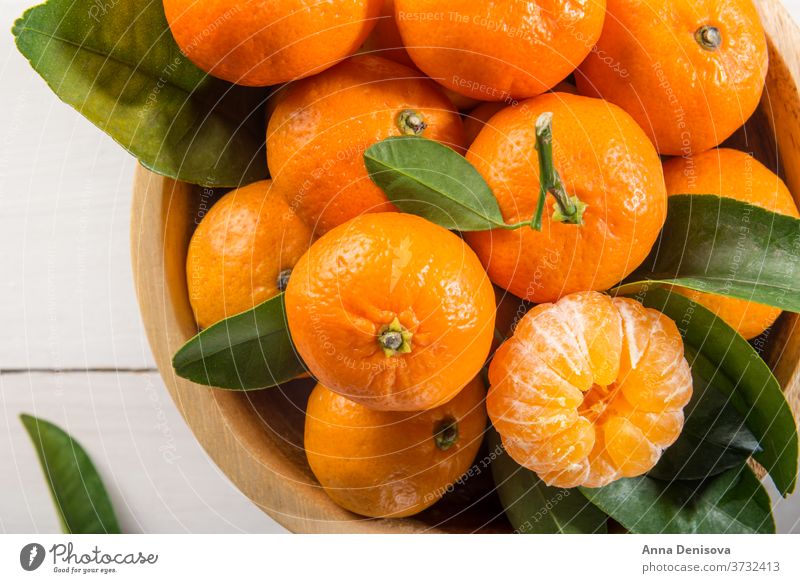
[606, 160]
[500, 50]
[690, 72]
[322, 126]
[242, 252]
[268, 43]
[738, 175]
[391, 311]
[388, 463]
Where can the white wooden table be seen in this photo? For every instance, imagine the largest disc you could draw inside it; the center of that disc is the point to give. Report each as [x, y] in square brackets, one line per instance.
[72, 348]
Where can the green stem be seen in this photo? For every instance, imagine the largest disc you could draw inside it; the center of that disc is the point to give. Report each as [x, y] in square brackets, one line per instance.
[569, 209]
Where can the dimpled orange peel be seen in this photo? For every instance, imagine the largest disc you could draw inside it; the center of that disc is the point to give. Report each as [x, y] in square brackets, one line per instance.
[500, 50]
[391, 311]
[690, 72]
[390, 463]
[242, 252]
[589, 389]
[269, 43]
[738, 175]
[322, 126]
[604, 160]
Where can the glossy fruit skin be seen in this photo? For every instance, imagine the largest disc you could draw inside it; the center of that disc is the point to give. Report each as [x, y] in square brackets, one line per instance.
[387, 463]
[738, 175]
[479, 117]
[384, 40]
[238, 249]
[589, 390]
[686, 97]
[500, 50]
[321, 127]
[268, 43]
[606, 160]
[355, 280]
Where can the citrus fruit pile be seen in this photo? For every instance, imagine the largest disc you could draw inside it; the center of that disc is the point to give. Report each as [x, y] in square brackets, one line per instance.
[466, 193]
[393, 315]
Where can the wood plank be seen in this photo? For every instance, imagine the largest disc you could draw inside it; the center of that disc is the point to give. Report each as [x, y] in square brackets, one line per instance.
[65, 190]
[159, 478]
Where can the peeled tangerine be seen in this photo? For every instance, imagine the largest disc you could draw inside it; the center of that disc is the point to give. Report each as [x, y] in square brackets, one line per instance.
[589, 389]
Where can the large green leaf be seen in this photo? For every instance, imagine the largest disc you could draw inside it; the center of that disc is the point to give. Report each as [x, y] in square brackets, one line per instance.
[251, 350]
[752, 388]
[715, 436]
[725, 246]
[730, 503]
[81, 499]
[425, 178]
[118, 65]
[535, 508]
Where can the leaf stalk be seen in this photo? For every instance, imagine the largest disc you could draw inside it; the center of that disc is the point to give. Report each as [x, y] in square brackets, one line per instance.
[569, 209]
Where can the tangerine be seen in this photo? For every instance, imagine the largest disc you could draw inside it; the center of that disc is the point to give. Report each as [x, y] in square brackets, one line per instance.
[242, 252]
[496, 51]
[738, 175]
[603, 158]
[380, 306]
[268, 43]
[389, 463]
[690, 72]
[385, 41]
[589, 389]
[321, 127]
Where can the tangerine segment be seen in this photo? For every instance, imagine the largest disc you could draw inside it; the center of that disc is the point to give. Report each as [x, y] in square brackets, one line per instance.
[606, 160]
[391, 311]
[269, 43]
[611, 420]
[321, 127]
[385, 463]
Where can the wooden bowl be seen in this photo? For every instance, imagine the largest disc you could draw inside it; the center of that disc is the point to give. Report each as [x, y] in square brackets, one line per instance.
[256, 438]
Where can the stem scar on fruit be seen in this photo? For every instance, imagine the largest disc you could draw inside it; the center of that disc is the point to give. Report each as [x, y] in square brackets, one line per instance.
[394, 339]
[709, 37]
[411, 123]
[283, 279]
[445, 433]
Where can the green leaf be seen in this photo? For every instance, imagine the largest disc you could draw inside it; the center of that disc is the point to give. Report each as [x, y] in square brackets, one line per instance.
[534, 508]
[118, 65]
[752, 389]
[428, 179]
[252, 350]
[730, 503]
[728, 247]
[81, 499]
[715, 436]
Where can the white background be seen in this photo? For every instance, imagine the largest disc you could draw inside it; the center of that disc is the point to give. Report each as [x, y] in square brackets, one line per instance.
[72, 348]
